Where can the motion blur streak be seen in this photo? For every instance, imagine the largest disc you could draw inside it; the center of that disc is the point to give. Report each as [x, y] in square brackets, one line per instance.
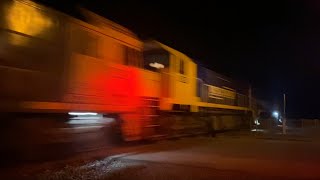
[82, 113]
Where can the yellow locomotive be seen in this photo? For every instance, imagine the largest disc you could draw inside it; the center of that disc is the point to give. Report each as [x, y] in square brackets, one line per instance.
[52, 64]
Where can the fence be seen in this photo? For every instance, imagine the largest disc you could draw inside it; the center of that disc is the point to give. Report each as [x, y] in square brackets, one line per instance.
[268, 123]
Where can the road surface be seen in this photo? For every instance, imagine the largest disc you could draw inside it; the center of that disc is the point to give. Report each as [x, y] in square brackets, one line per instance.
[222, 157]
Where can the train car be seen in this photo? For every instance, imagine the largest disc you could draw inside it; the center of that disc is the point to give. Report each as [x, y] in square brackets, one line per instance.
[62, 78]
[190, 92]
[55, 63]
[227, 101]
[64, 82]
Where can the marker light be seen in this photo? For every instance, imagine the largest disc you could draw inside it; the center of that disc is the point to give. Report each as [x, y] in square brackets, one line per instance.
[156, 65]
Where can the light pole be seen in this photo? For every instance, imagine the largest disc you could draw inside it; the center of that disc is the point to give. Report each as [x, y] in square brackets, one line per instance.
[250, 107]
[284, 115]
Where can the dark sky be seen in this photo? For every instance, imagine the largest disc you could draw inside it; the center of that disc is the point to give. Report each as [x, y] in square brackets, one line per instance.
[275, 45]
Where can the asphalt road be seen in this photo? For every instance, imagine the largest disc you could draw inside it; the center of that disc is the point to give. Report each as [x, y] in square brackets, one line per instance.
[223, 157]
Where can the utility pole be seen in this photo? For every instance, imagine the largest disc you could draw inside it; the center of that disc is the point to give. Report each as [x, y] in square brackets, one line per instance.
[250, 106]
[284, 115]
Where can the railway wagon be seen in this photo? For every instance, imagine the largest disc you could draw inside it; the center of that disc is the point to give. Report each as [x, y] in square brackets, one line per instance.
[52, 62]
[54, 67]
[65, 82]
[194, 98]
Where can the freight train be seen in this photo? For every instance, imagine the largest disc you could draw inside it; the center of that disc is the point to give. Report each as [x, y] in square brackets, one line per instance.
[62, 72]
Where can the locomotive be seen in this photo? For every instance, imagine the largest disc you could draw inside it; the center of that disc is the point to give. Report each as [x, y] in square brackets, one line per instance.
[58, 72]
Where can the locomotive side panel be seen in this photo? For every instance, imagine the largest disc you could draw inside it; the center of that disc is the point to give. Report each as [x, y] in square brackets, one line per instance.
[178, 74]
[52, 62]
[97, 71]
[150, 84]
[217, 89]
[183, 84]
[31, 53]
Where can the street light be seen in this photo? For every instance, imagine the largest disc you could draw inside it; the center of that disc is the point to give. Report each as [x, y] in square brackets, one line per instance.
[275, 114]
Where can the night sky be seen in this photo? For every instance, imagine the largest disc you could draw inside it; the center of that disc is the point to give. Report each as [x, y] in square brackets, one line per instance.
[274, 45]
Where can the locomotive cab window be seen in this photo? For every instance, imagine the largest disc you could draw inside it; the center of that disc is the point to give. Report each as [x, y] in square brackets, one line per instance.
[156, 60]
